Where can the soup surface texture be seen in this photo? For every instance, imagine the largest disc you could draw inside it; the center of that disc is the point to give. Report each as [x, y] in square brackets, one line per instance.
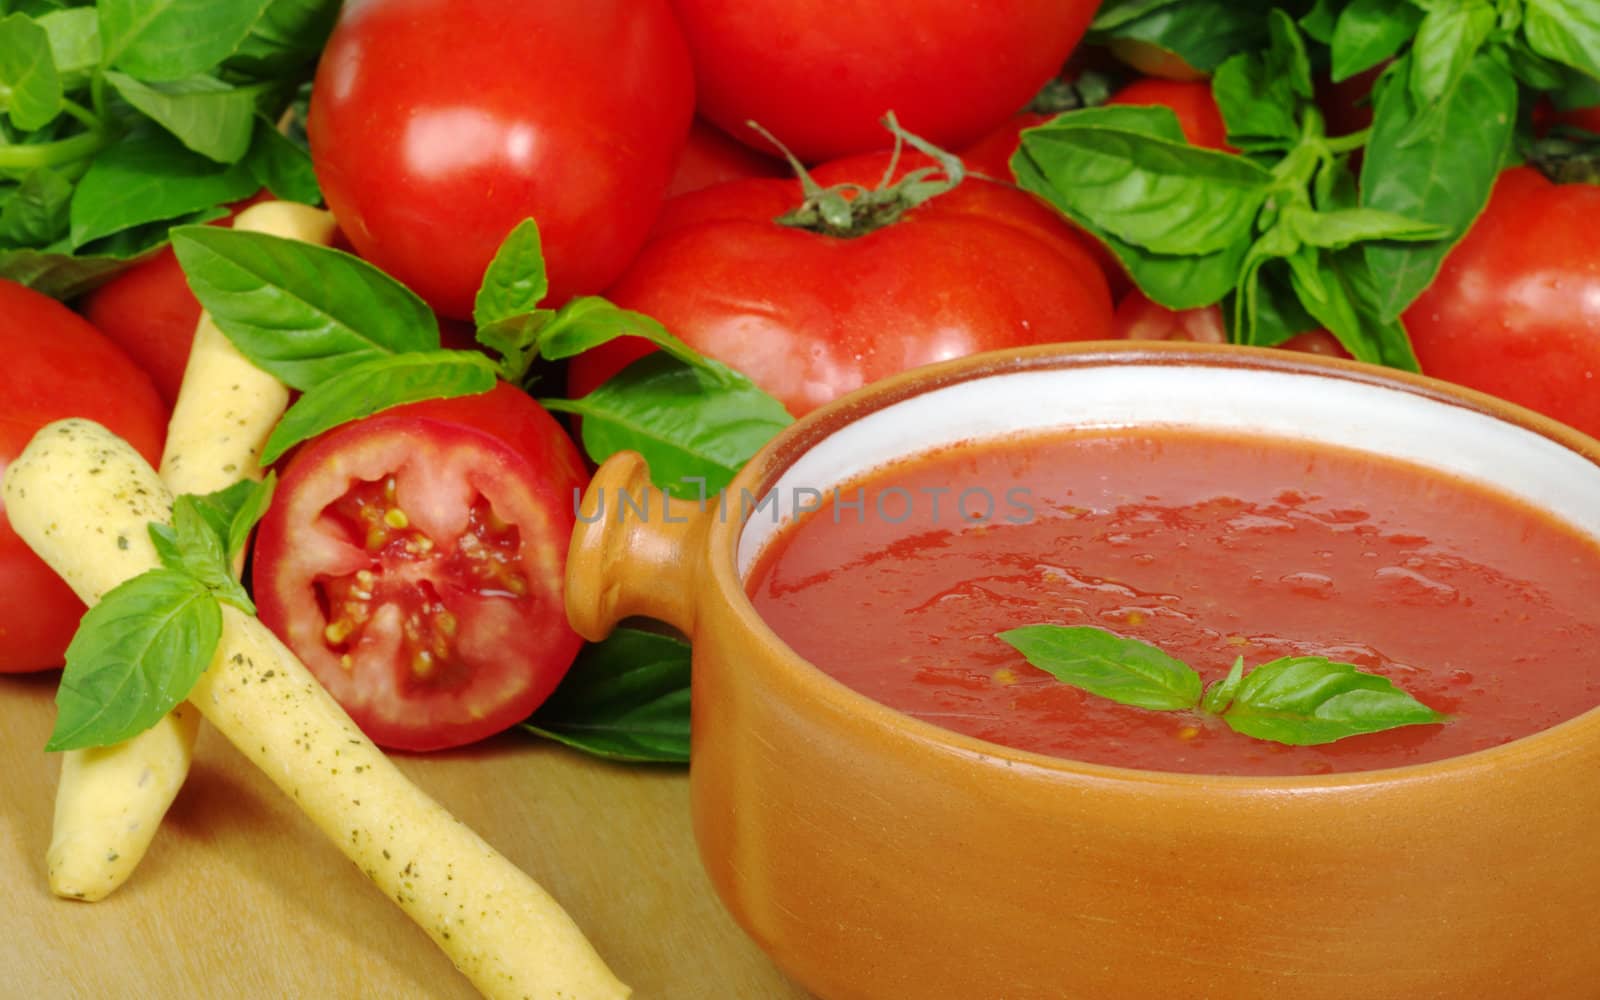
[1209, 546]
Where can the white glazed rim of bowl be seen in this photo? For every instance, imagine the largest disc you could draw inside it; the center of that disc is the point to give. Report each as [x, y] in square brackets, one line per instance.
[1316, 409]
[1114, 386]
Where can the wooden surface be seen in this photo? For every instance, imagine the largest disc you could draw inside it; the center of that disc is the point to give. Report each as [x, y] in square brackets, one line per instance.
[241, 897]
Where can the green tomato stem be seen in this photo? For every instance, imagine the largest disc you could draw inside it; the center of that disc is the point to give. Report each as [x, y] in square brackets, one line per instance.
[1347, 143]
[848, 211]
[91, 120]
[52, 154]
[97, 93]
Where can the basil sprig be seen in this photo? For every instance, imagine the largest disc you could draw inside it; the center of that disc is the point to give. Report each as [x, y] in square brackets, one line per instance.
[1297, 700]
[356, 342]
[139, 651]
[1271, 230]
[123, 118]
[1319, 249]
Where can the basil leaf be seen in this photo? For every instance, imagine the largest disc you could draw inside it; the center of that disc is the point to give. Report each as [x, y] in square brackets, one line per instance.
[173, 39]
[1257, 108]
[289, 35]
[1335, 187]
[1368, 32]
[1320, 21]
[688, 421]
[1261, 96]
[377, 384]
[301, 313]
[149, 177]
[30, 89]
[1339, 290]
[626, 698]
[1435, 165]
[165, 542]
[1566, 31]
[138, 239]
[1126, 671]
[1158, 121]
[1342, 227]
[205, 114]
[1278, 312]
[281, 166]
[230, 513]
[59, 274]
[1202, 32]
[248, 501]
[1448, 38]
[515, 282]
[1163, 196]
[202, 553]
[1175, 281]
[36, 213]
[1535, 71]
[136, 655]
[74, 35]
[1115, 13]
[1307, 700]
[516, 340]
[1221, 694]
[590, 321]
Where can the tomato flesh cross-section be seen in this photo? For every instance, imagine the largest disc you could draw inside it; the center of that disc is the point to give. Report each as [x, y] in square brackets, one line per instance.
[415, 564]
[485, 558]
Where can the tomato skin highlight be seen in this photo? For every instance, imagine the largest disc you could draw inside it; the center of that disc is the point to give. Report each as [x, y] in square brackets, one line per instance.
[438, 125]
[810, 317]
[57, 365]
[414, 560]
[1515, 310]
[821, 76]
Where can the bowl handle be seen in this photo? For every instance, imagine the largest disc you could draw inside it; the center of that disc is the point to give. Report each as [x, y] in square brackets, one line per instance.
[635, 551]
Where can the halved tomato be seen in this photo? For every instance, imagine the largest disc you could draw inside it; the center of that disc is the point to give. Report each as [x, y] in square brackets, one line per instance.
[414, 561]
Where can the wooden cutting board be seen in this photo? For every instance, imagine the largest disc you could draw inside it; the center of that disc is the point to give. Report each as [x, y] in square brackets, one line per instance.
[240, 896]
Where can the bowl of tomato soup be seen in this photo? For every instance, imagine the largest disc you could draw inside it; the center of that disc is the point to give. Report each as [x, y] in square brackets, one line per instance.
[895, 801]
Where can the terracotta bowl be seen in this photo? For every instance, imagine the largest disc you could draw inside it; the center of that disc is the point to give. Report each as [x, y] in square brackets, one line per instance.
[878, 856]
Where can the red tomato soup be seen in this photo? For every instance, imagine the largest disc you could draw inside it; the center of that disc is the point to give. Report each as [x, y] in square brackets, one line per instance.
[1209, 546]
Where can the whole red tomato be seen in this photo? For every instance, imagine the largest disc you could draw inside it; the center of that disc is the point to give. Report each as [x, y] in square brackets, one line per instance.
[414, 561]
[1515, 311]
[438, 125]
[820, 75]
[149, 311]
[810, 317]
[56, 366]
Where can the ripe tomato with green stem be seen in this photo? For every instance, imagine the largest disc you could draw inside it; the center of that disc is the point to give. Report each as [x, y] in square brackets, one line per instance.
[438, 125]
[810, 309]
[1515, 310]
[56, 365]
[414, 560]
